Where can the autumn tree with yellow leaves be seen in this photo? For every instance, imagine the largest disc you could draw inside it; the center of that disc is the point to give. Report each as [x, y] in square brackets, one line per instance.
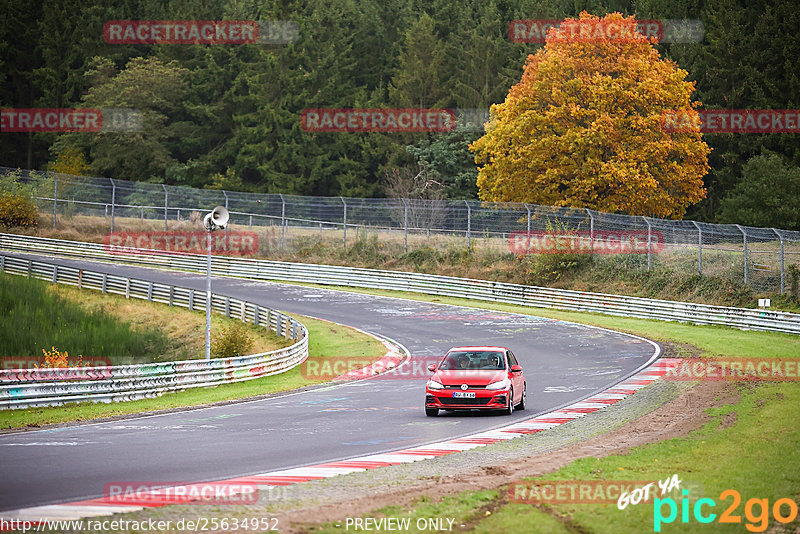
[583, 127]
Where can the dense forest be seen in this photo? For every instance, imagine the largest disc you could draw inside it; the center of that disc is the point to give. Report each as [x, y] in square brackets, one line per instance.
[228, 116]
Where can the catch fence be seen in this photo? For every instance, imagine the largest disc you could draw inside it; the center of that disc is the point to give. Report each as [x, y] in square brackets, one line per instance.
[766, 259]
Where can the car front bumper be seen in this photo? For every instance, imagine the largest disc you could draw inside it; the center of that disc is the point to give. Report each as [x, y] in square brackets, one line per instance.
[483, 400]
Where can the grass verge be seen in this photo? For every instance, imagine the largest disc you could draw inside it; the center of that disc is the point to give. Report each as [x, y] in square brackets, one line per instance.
[327, 340]
[36, 315]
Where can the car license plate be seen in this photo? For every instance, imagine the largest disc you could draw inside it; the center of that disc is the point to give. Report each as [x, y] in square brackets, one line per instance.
[463, 394]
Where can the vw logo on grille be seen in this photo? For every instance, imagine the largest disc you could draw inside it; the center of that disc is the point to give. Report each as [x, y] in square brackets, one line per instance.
[464, 386]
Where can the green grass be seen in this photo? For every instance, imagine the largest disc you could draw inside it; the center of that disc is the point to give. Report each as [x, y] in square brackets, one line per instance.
[757, 455]
[33, 318]
[327, 340]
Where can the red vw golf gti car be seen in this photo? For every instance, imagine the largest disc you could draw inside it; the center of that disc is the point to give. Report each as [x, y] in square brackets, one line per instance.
[476, 378]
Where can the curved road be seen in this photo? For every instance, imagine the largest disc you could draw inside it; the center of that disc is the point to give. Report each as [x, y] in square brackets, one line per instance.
[563, 362]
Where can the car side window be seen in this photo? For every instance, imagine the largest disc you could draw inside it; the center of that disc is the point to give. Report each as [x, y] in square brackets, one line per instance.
[512, 360]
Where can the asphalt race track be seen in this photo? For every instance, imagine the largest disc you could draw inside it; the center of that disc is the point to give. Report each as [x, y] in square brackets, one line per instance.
[563, 363]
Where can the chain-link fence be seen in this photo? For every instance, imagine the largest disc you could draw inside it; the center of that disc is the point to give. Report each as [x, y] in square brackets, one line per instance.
[763, 258]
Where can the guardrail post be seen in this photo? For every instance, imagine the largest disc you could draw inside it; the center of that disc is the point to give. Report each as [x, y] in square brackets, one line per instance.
[283, 218]
[171, 294]
[781, 238]
[469, 226]
[744, 237]
[649, 234]
[150, 292]
[255, 314]
[344, 203]
[80, 278]
[127, 288]
[113, 200]
[30, 265]
[405, 225]
[55, 197]
[699, 248]
[227, 306]
[105, 282]
[55, 274]
[2, 263]
[166, 205]
[191, 300]
[243, 312]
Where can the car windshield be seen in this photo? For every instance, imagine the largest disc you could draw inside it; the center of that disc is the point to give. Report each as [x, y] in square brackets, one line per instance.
[473, 360]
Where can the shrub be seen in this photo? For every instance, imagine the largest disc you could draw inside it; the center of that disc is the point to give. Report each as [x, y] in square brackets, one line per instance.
[59, 358]
[232, 340]
[17, 210]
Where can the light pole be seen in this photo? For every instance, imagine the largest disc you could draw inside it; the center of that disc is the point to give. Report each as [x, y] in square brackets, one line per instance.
[216, 220]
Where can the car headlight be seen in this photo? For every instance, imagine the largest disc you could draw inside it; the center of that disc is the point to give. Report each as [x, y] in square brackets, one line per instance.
[433, 384]
[500, 384]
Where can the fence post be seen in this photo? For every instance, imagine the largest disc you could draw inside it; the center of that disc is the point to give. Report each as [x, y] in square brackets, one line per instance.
[528, 226]
[649, 234]
[591, 231]
[166, 204]
[345, 222]
[283, 218]
[781, 238]
[55, 197]
[469, 226]
[699, 248]
[405, 225]
[226, 207]
[113, 201]
[744, 237]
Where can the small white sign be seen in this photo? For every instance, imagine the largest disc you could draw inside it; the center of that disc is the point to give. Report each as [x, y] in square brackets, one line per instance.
[763, 303]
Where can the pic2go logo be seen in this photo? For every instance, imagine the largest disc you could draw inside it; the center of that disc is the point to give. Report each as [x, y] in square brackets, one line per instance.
[758, 520]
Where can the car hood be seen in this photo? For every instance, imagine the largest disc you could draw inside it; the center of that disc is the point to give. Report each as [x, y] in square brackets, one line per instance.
[471, 377]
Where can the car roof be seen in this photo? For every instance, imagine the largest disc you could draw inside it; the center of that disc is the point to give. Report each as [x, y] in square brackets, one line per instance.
[477, 348]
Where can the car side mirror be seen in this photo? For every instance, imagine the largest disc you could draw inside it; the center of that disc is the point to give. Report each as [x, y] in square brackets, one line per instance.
[431, 367]
[516, 368]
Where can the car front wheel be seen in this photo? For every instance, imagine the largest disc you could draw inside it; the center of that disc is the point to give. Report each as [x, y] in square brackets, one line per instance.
[509, 409]
[521, 405]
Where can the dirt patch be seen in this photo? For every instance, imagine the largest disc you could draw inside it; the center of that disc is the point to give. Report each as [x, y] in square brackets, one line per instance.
[675, 419]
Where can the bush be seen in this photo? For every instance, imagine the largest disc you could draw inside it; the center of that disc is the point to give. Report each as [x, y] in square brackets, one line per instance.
[232, 340]
[17, 210]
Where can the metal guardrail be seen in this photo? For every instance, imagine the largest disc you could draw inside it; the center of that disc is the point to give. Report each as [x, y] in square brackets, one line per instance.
[539, 297]
[27, 388]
